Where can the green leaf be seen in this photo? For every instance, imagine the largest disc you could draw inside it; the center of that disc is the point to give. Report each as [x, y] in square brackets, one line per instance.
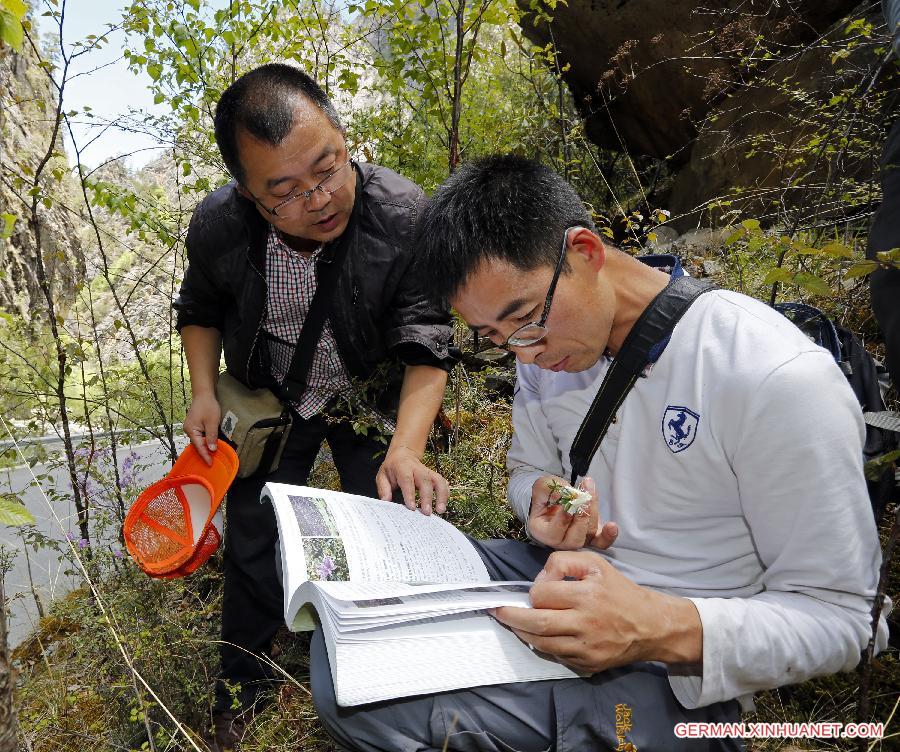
[778, 274]
[751, 224]
[860, 269]
[11, 32]
[837, 250]
[13, 512]
[16, 7]
[812, 283]
[9, 223]
[734, 238]
[756, 244]
[874, 469]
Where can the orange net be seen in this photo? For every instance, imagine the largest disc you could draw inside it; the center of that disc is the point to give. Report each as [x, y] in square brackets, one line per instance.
[174, 525]
[159, 533]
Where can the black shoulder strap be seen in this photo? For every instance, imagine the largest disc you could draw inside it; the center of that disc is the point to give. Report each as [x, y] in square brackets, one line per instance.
[654, 324]
[328, 268]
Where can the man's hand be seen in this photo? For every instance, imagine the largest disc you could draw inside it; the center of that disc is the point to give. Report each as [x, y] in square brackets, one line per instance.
[551, 525]
[403, 469]
[201, 424]
[601, 619]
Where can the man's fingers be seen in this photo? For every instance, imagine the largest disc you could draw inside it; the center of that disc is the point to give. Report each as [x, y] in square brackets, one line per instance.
[211, 428]
[407, 483]
[593, 508]
[568, 649]
[198, 440]
[543, 530]
[426, 491]
[442, 494]
[575, 564]
[606, 537]
[576, 532]
[383, 485]
[536, 622]
[561, 595]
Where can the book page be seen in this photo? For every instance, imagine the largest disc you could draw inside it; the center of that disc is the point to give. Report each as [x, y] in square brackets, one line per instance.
[464, 651]
[353, 607]
[350, 600]
[328, 535]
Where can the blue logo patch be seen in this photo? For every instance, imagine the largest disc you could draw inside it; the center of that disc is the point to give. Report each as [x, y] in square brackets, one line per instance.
[679, 427]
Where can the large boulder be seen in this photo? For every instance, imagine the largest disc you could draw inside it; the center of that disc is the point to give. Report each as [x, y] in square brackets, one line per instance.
[695, 84]
[792, 146]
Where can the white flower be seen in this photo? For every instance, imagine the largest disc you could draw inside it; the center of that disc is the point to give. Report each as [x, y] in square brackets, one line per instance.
[572, 500]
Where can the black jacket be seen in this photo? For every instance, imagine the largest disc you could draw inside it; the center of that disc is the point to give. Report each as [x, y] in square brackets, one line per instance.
[378, 314]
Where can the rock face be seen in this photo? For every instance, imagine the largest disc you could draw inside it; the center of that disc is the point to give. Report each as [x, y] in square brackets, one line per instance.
[649, 77]
[767, 138]
[25, 133]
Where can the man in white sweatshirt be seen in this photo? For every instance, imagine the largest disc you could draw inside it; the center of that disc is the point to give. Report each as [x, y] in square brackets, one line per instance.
[740, 551]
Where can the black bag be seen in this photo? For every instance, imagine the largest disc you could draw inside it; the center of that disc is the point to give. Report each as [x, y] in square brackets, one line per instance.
[867, 378]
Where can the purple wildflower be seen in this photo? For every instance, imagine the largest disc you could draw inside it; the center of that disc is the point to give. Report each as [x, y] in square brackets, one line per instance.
[117, 553]
[129, 474]
[71, 537]
[326, 568]
[82, 543]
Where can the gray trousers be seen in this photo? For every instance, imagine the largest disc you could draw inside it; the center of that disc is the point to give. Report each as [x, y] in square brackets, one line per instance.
[630, 708]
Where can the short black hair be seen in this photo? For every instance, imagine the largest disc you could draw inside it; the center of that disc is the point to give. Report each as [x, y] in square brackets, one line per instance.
[504, 208]
[263, 102]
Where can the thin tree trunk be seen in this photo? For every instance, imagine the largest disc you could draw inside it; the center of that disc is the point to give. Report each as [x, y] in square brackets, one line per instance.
[45, 285]
[38, 603]
[863, 703]
[8, 725]
[457, 87]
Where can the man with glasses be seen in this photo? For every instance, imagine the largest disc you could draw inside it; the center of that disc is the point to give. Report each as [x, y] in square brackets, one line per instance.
[255, 248]
[743, 556]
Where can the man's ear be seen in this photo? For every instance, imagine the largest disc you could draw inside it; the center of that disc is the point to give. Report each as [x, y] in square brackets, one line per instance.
[589, 246]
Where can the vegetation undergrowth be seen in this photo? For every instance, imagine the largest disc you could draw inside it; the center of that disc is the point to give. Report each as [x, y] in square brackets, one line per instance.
[88, 349]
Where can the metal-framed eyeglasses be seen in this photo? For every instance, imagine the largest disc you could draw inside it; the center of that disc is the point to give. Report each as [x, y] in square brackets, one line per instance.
[534, 331]
[334, 181]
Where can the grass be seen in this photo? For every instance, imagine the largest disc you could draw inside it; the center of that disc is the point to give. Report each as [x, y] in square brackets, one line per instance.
[76, 693]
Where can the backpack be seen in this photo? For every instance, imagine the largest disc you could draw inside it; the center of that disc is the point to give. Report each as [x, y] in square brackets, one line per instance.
[867, 379]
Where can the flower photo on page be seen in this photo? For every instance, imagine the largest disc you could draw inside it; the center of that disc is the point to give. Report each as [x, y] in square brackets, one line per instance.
[325, 559]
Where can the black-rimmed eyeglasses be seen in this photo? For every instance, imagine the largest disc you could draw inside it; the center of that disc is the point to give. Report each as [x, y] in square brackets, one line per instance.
[332, 182]
[534, 331]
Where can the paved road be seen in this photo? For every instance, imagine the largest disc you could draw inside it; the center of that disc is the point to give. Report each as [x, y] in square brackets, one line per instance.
[56, 519]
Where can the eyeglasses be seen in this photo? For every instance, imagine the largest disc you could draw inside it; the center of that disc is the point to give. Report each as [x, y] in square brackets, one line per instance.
[333, 182]
[534, 331]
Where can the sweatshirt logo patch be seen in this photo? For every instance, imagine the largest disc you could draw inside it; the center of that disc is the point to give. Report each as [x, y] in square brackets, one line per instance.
[679, 427]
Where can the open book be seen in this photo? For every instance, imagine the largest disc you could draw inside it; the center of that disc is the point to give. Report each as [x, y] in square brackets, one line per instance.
[401, 598]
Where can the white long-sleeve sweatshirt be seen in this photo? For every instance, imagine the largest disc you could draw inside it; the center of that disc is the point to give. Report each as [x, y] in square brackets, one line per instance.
[734, 472]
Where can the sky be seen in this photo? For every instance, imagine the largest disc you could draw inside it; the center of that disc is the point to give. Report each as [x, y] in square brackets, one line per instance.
[110, 91]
